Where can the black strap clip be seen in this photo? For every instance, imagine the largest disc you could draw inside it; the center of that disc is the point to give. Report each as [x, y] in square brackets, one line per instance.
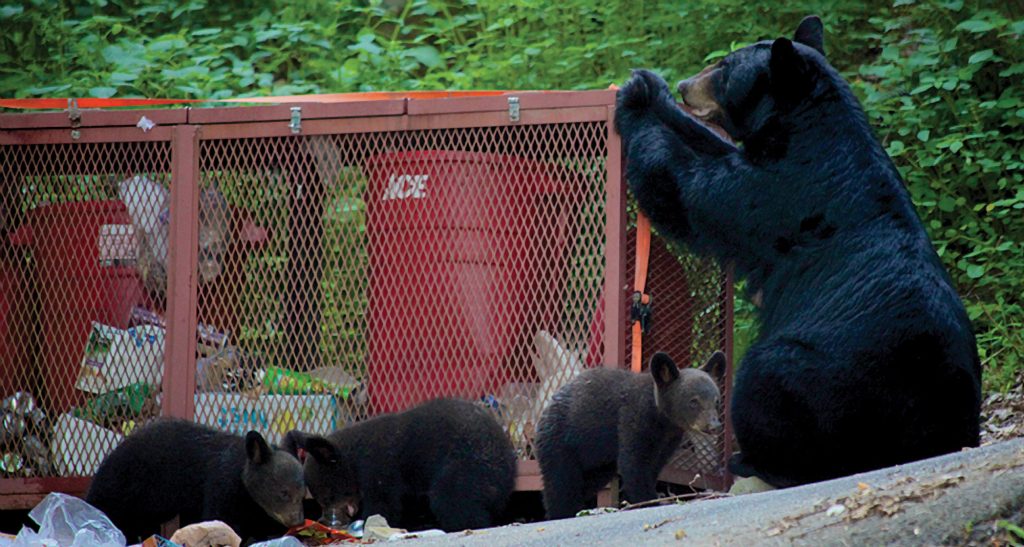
[640, 311]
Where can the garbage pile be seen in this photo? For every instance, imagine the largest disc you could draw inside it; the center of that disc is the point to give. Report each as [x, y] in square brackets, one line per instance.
[68, 521]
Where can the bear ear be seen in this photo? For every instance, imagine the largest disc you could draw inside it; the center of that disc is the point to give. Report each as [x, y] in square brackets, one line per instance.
[790, 77]
[664, 369]
[321, 449]
[715, 367]
[811, 33]
[257, 449]
[294, 441]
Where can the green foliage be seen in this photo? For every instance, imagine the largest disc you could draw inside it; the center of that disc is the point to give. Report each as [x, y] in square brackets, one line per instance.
[941, 81]
[945, 95]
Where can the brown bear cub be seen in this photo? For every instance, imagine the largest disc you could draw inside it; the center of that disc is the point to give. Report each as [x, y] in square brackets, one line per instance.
[178, 468]
[447, 454]
[608, 421]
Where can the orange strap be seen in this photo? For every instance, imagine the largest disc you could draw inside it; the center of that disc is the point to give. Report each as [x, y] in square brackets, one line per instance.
[640, 298]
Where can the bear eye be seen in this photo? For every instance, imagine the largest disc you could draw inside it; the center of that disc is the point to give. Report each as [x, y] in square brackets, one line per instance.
[695, 403]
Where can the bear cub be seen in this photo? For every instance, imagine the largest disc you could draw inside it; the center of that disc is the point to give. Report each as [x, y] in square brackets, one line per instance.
[175, 467]
[447, 454]
[611, 420]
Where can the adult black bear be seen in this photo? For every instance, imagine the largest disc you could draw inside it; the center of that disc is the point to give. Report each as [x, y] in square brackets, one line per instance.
[175, 467]
[450, 451]
[866, 357]
[609, 421]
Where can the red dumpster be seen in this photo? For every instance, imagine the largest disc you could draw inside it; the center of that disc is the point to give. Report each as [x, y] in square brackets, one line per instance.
[84, 264]
[77, 285]
[460, 253]
[14, 342]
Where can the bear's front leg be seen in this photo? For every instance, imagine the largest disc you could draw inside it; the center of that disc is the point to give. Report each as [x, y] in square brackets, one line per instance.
[654, 153]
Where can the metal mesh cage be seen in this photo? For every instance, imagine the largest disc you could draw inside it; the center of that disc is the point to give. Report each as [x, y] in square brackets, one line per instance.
[308, 278]
[75, 377]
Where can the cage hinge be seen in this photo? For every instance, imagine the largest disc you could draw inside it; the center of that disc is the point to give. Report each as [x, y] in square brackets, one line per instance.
[513, 109]
[296, 123]
[75, 117]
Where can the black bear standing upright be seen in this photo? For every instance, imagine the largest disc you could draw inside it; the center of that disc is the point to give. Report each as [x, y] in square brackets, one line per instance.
[609, 421]
[175, 467]
[452, 452]
[865, 357]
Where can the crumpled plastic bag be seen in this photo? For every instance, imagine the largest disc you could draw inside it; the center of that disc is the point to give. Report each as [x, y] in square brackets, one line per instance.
[66, 521]
[148, 205]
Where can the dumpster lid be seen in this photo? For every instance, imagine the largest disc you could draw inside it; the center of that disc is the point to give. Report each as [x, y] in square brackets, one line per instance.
[91, 112]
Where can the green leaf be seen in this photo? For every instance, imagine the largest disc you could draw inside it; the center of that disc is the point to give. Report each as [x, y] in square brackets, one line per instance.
[717, 54]
[428, 56]
[102, 92]
[896, 148]
[975, 271]
[975, 25]
[923, 135]
[981, 56]
[1012, 70]
[6, 12]
[947, 204]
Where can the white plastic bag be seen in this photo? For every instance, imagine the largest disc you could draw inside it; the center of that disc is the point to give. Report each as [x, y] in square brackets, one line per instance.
[66, 521]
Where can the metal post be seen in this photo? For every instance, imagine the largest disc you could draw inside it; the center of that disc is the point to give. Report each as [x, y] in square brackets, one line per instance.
[615, 252]
[179, 382]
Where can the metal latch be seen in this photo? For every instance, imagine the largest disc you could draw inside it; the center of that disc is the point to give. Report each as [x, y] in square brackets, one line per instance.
[75, 117]
[296, 123]
[513, 109]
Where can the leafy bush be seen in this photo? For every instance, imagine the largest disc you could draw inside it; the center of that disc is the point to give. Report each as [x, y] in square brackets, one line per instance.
[940, 80]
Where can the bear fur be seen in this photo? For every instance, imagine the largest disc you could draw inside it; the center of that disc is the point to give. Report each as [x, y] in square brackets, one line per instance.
[449, 453]
[174, 467]
[865, 356]
[607, 421]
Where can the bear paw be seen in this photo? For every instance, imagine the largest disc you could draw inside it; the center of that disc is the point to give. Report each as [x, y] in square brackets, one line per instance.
[638, 99]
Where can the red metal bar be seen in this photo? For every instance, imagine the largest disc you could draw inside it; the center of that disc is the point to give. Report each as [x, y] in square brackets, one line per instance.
[26, 493]
[85, 135]
[615, 251]
[528, 100]
[528, 477]
[730, 327]
[92, 118]
[394, 107]
[179, 381]
[500, 119]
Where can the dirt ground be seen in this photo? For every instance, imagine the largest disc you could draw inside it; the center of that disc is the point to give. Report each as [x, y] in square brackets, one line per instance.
[1002, 415]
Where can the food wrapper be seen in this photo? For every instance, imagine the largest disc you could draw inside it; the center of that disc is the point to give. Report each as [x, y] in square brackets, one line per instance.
[314, 533]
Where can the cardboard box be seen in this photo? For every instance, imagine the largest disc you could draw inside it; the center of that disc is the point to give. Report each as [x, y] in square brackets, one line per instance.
[78, 446]
[271, 415]
[114, 358]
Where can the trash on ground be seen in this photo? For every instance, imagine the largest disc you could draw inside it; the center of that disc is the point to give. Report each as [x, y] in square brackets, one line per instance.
[213, 533]
[69, 522]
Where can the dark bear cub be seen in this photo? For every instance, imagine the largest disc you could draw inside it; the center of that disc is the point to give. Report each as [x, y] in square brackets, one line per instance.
[865, 356]
[608, 421]
[449, 453]
[175, 467]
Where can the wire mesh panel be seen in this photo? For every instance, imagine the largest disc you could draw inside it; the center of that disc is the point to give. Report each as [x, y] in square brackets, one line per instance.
[402, 266]
[690, 320]
[78, 370]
